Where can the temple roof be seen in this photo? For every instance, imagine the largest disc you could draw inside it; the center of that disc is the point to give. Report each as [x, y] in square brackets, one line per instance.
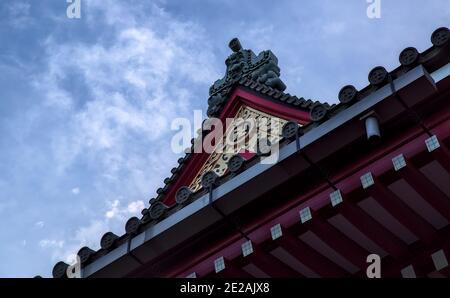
[260, 75]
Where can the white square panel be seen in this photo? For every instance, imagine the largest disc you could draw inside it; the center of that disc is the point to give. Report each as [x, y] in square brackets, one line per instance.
[276, 231]
[367, 180]
[336, 198]
[432, 143]
[408, 272]
[305, 214]
[247, 248]
[399, 162]
[439, 260]
[219, 264]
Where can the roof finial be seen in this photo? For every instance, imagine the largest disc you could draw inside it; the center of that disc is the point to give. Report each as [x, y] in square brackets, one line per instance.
[244, 64]
[235, 45]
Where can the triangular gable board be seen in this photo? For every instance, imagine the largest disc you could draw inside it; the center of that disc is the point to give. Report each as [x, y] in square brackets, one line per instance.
[242, 104]
[236, 141]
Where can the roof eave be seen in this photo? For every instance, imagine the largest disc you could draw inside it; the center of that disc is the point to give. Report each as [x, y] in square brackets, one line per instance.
[155, 240]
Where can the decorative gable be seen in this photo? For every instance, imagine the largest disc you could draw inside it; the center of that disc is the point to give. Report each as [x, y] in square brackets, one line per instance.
[237, 139]
[244, 64]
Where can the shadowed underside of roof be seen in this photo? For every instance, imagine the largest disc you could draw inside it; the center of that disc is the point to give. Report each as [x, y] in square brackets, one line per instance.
[261, 75]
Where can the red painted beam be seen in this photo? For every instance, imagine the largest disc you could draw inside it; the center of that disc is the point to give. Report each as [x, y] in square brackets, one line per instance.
[427, 190]
[395, 271]
[308, 256]
[240, 95]
[420, 260]
[271, 265]
[445, 271]
[410, 143]
[402, 212]
[373, 229]
[442, 155]
[343, 245]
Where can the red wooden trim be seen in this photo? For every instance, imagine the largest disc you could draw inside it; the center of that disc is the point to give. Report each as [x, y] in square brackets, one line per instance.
[338, 241]
[426, 189]
[402, 212]
[204, 262]
[442, 155]
[271, 265]
[264, 105]
[422, 261]
[445, 271]
[308, 256]
[186, 176]
[408, 143]
[238, 98]
[373, 229]
[232, 271]
[440, 122]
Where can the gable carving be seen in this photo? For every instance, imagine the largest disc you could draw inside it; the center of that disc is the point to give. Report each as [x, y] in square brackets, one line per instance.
[239, 138]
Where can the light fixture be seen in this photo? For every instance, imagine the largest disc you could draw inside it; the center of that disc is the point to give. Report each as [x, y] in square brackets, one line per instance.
[372, 128]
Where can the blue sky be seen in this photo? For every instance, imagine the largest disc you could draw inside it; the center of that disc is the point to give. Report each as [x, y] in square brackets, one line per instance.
[86, 105]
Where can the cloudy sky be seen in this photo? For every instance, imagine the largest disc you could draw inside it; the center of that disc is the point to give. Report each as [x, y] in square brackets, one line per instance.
[86, 104]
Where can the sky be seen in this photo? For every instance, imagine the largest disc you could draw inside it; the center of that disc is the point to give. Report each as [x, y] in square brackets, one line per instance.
[86, 104]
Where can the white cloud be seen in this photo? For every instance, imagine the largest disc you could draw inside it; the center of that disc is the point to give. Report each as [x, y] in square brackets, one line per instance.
[65, 250]
[334, 28]
[19, 14]
[116, 211]
[51, 243]
[135, 82]
[90, 235]
[257, 37]
[39, 224]
[135, 207]
[135, 85]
